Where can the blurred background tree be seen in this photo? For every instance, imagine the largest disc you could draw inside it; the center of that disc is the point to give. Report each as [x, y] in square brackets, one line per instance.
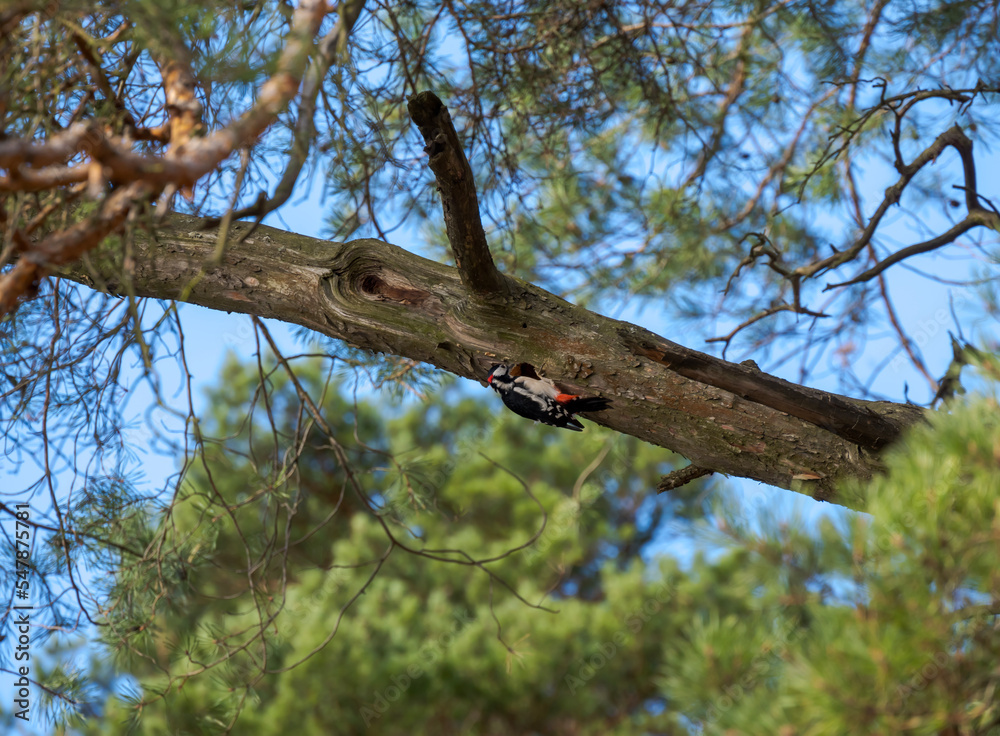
[470, 599]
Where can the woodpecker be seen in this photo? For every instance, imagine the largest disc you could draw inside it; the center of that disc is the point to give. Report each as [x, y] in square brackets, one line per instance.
[525, 393]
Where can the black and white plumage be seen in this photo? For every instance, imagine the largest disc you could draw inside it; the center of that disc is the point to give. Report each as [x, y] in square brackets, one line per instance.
[526, 393]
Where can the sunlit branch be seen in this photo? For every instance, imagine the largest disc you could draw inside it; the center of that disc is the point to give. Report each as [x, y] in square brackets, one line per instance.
[188, 160]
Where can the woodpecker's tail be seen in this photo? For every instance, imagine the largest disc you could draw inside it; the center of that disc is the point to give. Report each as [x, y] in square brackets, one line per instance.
[586, 404]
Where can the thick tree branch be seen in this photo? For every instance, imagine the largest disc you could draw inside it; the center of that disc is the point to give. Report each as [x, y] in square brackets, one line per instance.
[378, 297]
[458, 195]
[29, 180]
[60, 148]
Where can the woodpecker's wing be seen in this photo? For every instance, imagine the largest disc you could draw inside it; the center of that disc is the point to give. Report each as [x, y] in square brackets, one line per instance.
[539, 386]
[538, 408]
[527, 370]
[573, 403]
[561, 394]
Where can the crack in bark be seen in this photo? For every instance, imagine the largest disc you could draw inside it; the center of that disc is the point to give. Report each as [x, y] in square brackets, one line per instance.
[833, 413]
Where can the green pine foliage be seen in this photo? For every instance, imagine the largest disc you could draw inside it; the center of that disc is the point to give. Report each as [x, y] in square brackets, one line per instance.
[873, 625]
[489, 603]
[515, 599]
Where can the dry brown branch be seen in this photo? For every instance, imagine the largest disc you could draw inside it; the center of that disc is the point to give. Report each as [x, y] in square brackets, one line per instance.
[68, 245]
[951, 137]
[681, 477]
[728, 338]
[949, 236]
[58, 149]
[978, 216]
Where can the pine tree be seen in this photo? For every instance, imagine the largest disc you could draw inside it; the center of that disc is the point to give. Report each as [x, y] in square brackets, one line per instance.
[498, 182]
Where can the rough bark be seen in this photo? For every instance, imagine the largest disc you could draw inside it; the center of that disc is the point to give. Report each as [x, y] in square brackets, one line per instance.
[724, 417]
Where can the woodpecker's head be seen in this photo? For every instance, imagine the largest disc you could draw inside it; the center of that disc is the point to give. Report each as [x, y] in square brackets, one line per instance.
[499, 376]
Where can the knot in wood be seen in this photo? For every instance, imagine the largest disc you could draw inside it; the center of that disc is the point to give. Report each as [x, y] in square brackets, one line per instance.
[376, 286]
